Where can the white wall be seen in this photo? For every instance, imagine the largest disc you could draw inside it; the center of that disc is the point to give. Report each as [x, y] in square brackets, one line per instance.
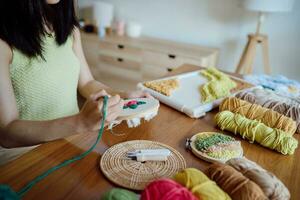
[217, 23]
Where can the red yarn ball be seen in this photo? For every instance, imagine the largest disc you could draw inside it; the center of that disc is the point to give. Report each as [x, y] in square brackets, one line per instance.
[166, 189]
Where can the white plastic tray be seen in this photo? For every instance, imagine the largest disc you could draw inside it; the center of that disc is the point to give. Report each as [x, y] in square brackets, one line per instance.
[187, 98]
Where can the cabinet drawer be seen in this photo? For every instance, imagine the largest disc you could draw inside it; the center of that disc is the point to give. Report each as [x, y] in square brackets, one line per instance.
[119, 62]
[170, 60]
[120, 50]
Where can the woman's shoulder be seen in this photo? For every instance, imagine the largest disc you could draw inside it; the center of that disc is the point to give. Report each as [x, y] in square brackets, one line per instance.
[5, 51]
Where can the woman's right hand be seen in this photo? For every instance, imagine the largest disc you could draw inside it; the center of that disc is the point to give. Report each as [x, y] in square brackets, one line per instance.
[90, 116]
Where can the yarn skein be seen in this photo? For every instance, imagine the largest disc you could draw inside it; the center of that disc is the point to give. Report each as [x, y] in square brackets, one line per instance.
[267, 116]
[291, 109]
[200, 185]
[263, 95]
[254, 130]
[166, 189]
[119, 194]
[273, 188]
[235, 183]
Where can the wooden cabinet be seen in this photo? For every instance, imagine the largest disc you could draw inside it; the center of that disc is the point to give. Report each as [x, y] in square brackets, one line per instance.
[144, 58]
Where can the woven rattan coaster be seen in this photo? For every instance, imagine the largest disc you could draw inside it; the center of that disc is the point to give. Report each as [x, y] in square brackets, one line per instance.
[136, 175]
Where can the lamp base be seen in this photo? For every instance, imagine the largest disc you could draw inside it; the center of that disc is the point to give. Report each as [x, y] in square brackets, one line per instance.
[246, 62]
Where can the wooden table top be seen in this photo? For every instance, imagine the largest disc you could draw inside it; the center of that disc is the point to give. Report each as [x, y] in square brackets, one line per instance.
[84, 180]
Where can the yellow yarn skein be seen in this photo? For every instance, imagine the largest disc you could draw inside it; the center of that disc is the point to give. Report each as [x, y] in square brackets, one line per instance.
[200, 185]
[254, 130]
[267, 116]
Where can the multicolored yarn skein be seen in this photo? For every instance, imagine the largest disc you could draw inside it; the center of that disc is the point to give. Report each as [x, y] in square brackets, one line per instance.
[119, 194]
[200, 185]
[263, 95]
[254, 111]
[166, 189]
[254, 130]
[235, 183]
[273, 188]
[291, 109]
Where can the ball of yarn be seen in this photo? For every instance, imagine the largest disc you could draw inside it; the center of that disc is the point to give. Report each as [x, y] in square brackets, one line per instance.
[254, 130]
[6, 193]
[166, 189]
[200, 185]
[267, 116]
[273, 188]
[119, 194]
[291, 110]
[234, 183]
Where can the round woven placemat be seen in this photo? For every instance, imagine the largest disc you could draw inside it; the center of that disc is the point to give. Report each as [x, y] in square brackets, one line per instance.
[136, 175]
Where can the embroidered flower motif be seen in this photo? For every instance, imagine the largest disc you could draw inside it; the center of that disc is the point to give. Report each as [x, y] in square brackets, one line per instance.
[133, 104]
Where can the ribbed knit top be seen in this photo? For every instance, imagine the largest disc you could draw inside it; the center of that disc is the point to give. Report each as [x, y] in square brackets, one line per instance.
[46, 89]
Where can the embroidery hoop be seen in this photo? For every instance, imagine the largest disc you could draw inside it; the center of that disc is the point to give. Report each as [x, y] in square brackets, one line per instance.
[133, 116]
[191, 145]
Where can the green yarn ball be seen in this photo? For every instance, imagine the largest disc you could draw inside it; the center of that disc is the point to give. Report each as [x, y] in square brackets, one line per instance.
[6, 193]
[119, 194]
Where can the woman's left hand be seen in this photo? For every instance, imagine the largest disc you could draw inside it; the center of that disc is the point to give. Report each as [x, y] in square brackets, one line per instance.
[136, 94]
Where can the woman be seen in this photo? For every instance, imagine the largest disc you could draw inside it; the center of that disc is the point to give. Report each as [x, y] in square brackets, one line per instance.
[42, 66]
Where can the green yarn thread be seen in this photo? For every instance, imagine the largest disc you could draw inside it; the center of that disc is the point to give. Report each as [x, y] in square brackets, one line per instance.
[119, 194]
[7, 193]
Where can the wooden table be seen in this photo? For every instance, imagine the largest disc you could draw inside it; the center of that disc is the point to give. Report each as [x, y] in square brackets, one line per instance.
[84, 180]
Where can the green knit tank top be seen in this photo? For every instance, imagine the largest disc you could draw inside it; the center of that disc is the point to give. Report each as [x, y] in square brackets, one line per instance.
[46, 89]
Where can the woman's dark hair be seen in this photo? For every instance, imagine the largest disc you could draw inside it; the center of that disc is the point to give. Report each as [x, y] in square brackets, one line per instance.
[23, 23]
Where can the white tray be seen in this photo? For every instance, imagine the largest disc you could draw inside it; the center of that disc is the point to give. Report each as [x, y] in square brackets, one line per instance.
[187, 98]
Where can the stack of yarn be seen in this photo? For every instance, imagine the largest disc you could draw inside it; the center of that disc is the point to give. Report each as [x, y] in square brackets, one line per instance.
[238, 179]
[289, 107]
[243, 179]
[256, 123]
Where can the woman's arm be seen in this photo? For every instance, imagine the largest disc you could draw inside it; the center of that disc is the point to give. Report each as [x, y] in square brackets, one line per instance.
[87, 84]
[15, 132]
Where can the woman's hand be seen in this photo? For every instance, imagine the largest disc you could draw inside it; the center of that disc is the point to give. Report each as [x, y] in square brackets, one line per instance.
[90, 116]
[136, 94]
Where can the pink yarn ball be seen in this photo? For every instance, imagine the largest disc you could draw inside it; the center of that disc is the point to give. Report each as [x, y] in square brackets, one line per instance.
[166, 189]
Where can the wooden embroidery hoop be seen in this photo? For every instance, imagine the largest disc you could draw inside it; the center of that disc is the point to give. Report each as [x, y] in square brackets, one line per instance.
[204, 156]
[149, 108]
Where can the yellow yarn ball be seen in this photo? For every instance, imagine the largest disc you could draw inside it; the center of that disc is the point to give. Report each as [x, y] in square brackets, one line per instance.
[200, 185]
[254, 130]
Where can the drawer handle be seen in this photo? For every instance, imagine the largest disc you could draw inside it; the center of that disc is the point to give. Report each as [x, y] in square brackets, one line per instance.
[169, 69]
[120, 46]
[172, 56]
[120, 59]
